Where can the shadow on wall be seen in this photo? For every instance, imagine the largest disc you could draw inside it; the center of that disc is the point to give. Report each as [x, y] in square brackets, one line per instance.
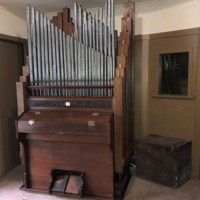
[138, 25]
[141, 82]
[10, 145]
[2, 166]
[11, 61]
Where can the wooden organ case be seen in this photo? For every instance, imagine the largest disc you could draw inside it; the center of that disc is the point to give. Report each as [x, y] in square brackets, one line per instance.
[75, 103]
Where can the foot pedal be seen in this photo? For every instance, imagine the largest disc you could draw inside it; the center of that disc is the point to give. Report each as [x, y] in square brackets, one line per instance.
[66, 182]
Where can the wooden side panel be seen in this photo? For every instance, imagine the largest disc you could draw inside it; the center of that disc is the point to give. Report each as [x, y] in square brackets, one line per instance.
[118, 123]
[97, 154]
[124, 93]
[21, 100]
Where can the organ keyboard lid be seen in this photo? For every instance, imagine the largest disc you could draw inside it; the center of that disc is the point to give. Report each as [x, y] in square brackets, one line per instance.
[65, 122]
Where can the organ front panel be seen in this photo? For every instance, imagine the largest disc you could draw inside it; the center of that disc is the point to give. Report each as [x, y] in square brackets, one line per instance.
[75, 103]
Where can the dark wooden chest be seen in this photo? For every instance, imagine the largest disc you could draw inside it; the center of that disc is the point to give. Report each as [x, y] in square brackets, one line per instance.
[163, 160]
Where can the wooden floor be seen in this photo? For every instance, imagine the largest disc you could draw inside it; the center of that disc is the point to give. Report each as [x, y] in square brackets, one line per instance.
[138, 189]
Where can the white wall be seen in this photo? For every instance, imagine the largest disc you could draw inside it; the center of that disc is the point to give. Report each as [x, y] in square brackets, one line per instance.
[11, 24]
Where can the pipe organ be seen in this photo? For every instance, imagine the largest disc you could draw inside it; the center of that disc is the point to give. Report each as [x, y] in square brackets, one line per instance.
[75, 103]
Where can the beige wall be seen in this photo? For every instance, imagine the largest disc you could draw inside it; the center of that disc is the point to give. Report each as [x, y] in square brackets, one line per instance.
[160, 16]
[168, 15]
[11, 24]
[155, 17]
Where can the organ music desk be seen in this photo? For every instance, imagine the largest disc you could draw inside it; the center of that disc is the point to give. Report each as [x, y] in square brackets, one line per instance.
[76, 128]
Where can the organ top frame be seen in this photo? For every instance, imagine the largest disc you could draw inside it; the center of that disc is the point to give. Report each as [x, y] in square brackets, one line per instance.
[99, 83]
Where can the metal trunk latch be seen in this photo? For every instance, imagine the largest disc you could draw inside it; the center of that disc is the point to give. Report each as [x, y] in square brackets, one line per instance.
[31, 122]
[91, 124]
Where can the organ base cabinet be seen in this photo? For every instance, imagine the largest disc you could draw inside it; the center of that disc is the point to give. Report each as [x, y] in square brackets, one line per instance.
[72, 141]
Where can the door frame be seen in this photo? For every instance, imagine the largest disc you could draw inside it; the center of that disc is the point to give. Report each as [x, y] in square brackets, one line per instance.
[22, 42]
[195, 95]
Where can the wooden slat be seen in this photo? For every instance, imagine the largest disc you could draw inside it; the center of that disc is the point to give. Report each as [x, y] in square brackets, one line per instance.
[118, 124]
[60, 20]
[21, 97]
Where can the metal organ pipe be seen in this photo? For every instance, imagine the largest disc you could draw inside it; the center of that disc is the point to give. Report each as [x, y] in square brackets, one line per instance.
[82, 64]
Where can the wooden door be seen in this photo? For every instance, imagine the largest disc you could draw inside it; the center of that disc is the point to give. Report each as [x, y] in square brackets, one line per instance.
[11, 62]
[172, 111]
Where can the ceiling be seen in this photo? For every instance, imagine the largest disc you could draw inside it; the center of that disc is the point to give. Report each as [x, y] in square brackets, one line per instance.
[18, 6]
